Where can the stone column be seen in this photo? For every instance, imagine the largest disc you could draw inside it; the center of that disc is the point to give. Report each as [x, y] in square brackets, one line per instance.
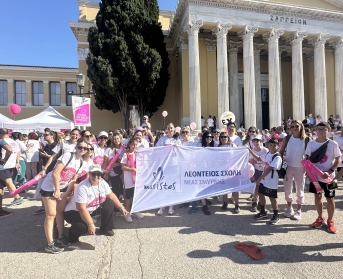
[272, 37]
[194, 72]
[235, 105]
[257, 65]
[338, 46]
[298, 97]
[220, 31]
[247, 33]
[281, 49]
[320, 94]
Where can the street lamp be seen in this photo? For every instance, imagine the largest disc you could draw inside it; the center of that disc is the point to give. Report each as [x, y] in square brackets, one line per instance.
[81, 82]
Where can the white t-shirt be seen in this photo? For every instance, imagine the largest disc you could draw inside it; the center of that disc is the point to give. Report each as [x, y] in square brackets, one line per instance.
[22, 148]
[92, 196]
[85, 169]
[268, 181]
[67, 147]
[98, 154]
[43, 141]
[190, 142]
[109, 153]
[216, 142]
[295, 152]
[228, 145]
[144, 143]
[168, 141]
[66, 174]
[327, 161]
[339, 141]
[336, 121]
[128, 183]
[12, 160]
[236, 140]
[32, 155]
[259, 165]
[202, 122]
[210, 122]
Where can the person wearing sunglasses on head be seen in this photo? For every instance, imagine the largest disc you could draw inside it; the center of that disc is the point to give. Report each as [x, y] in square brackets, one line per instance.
[60, 180]
[216, 137]
[248, 138]
[99, 148]
[92, 197]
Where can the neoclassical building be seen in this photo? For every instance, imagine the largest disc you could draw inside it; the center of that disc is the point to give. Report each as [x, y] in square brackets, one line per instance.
[263, 60]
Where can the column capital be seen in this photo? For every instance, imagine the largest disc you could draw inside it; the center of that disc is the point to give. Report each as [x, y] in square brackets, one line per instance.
[182, 43]
[220, 31]
[319, 40]
[82, 53]
[337, 43]
[247, 31]
[296, 38]
[193, 27]
[234, 46]
[211, 45]
[273, 34]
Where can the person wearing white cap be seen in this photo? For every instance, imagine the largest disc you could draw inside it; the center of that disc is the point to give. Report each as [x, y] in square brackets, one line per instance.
[92, 198]
[99, 148]
[146, 121]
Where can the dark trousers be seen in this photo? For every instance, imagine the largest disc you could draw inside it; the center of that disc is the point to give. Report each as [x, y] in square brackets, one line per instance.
[79, 227]
[117, 185]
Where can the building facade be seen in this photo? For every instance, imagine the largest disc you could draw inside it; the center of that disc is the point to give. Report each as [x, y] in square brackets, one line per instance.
[263, 60]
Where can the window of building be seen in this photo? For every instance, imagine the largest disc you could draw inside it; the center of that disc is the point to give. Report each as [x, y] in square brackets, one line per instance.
[70, 87]
[20, 93]
[3, 93]
[37, 93]
[55, 93]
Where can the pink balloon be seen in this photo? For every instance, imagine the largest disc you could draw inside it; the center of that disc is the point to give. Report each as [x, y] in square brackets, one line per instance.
[177, 129]
[251, 170]
[165, 113]
[193, 126]
[15, 109]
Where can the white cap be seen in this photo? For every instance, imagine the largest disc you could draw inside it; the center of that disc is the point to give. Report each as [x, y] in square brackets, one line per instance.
[95, 168]
[257, 137]
[103, 133]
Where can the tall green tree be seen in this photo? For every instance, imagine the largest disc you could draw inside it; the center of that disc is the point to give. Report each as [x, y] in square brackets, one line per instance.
[128, 62]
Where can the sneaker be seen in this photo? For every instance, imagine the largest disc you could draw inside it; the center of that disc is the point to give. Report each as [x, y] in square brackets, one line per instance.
[16, 201]
[318, 223]
[128, 218]
[224, 206]
[170, 210]
[253, 207]
[331, 226]
[274, 220]
[121, 198]
[39, 211]
[160, 211]
[250, 198]
[289, 212]
[297, 215]
[138, 215]
[184, 205]
[260, 216]
[62, 241]
[53, 249]
[237, 209]
[4, 213]
[193, 210]
[205, 210]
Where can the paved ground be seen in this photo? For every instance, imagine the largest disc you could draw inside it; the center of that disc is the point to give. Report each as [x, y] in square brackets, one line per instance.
[179, 246]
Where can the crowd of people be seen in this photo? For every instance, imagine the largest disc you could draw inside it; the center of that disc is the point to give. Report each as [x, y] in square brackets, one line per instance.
[87, 180]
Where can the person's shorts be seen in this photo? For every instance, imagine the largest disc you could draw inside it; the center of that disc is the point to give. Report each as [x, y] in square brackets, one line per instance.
[50, 193]
[2, 179]
[9, 173]
[271, 193]
[257, 174]
[129, 193]
[338, 169]
[327, 193]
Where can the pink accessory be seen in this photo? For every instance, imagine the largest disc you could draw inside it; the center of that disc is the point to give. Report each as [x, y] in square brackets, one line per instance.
[115, 158]
[132, 165]
[26, 185]
[311, 169]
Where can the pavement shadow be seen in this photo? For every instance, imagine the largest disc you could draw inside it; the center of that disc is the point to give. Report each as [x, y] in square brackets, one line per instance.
[276, 253]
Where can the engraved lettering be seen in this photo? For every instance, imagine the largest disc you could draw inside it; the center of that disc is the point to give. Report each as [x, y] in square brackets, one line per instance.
[304, 22]
[299, 21]
[271, 18]
[292, 20]
[287, 19]
[282, 18]
[276, 18]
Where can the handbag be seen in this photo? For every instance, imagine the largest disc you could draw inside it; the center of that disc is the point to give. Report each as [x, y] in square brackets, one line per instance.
[318, 155]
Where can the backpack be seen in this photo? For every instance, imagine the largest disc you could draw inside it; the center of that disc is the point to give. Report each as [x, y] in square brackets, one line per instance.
[282, 171]
[307, 139]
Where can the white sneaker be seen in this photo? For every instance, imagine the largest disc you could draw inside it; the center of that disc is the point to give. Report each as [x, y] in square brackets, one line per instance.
[171, 210]
[138, 215]
[128, 218]
[160, 211]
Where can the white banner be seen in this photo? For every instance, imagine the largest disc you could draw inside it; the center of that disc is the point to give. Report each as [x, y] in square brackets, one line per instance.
[172, 175]
[81, 111]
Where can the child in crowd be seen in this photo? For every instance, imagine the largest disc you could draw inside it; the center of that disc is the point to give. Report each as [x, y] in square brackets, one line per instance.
[268, 181]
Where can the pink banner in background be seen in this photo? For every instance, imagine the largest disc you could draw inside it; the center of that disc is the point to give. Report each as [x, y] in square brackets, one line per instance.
[81, 111]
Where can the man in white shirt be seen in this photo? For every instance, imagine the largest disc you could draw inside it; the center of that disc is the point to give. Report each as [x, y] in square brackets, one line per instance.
[210, 123]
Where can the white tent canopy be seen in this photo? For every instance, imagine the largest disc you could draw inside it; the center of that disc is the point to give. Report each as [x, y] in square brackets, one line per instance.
[49, 118]
[4, 119]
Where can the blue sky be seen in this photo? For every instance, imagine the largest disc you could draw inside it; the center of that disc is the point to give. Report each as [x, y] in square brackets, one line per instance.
[37, 32]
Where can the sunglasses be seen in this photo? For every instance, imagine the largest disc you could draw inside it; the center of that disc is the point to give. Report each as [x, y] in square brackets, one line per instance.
[144, 118]
[232, 127]
[252, 131]
[103, 138]
[209, 137]
[110, 134]
[215, 132]
[295, 126]
[82, 148]
[184, 132]
[87, 136]
[45, 135]
[223, 137]
[94, 174]
[90, 149]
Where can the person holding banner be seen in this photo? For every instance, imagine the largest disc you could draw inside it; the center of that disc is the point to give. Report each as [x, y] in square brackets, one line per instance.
[142, 142]
[128, 165]
[186, 140]
[327, 160]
